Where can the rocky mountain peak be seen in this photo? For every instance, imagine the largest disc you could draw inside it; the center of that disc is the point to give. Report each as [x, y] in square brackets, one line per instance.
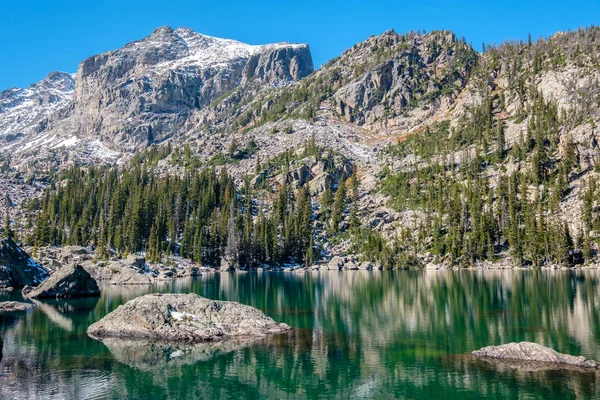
[147, 90]
[22, 109]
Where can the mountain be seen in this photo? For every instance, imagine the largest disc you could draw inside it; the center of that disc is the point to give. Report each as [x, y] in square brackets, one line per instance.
[22, 110]
[451, 157]
[140, 94]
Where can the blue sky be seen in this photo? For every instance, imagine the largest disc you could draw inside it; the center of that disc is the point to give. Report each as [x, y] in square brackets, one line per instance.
[39, 36]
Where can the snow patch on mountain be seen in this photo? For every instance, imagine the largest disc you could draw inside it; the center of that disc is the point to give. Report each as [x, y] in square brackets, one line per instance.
[22, 109]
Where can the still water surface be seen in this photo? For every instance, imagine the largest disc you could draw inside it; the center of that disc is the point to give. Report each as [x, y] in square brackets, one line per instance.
[358, 334]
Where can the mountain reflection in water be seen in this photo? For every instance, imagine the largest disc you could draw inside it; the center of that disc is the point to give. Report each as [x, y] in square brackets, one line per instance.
[358, 334]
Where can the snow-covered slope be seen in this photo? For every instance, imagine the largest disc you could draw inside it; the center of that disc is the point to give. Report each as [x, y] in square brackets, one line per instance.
[189, 50]
[21, 110]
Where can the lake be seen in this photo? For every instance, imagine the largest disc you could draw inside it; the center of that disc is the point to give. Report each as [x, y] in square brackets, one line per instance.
[357, 334]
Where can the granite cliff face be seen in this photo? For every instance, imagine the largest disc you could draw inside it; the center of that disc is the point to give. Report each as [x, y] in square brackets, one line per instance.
[144, 92]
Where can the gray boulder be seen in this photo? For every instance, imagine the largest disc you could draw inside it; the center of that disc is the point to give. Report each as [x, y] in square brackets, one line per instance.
[71, 281]
[136, 261]
[184, 317]
[17, 269]
[117, 273]
[15, 306]
[336, 263]
[528, 351]
[227, 265]
[70, 254]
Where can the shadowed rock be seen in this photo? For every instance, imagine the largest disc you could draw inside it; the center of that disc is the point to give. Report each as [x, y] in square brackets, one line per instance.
[184, 317]
[533, 352]
[17, 269]
[14, 306]
[72, 281]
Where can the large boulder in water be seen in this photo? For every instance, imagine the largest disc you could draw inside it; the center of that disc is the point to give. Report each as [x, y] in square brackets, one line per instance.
[528, 351]
[184, 317]
[71, 281]
[17, 269]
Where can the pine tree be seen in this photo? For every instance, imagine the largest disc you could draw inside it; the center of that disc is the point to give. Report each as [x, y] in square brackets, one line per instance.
[339, 205]
[7, 230]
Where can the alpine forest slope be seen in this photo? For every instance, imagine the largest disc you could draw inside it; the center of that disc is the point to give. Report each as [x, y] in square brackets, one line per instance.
[406, 151]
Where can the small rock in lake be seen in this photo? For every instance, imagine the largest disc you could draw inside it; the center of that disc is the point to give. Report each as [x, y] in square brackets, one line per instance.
[528, 351]
[14, 306]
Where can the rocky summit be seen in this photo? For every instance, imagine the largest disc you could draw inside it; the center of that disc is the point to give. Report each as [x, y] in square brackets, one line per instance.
[528, 351]
[184, 317]
[143, 93]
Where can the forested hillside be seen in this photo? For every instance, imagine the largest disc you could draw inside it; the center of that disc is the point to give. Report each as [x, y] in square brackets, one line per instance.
[406, 151]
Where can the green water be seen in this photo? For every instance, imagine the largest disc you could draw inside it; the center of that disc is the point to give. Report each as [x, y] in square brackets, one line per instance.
[357, 334]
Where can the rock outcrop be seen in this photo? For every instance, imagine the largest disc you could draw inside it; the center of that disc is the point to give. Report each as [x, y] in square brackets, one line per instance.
[71, 281]
[17, 269]
[145, 91]
[528, 351]
[117, 273]
[184, 317]
[15, 306]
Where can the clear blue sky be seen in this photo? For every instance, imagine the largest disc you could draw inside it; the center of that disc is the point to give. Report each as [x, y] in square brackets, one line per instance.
[39, 36]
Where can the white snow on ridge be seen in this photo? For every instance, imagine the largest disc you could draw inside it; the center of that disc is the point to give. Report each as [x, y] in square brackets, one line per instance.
[22, 109]
[201, 51]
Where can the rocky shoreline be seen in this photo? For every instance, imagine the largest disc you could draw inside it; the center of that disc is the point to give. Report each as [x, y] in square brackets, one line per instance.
[134, 269]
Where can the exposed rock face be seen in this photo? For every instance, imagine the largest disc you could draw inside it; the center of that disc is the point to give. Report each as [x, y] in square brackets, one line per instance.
[136, 261]
[184, 317]
[71, 281]
[117, 273]
[142, 93]
[17, 269]
[145, 91]
[527, 351]
[14, 306]
[70, 254]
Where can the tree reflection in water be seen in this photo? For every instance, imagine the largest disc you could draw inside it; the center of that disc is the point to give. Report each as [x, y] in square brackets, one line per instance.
[401, 334]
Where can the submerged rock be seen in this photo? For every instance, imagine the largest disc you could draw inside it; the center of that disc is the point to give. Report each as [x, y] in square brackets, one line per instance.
[184, 317]
[71, 281]
[13, 306]
[528, 351]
